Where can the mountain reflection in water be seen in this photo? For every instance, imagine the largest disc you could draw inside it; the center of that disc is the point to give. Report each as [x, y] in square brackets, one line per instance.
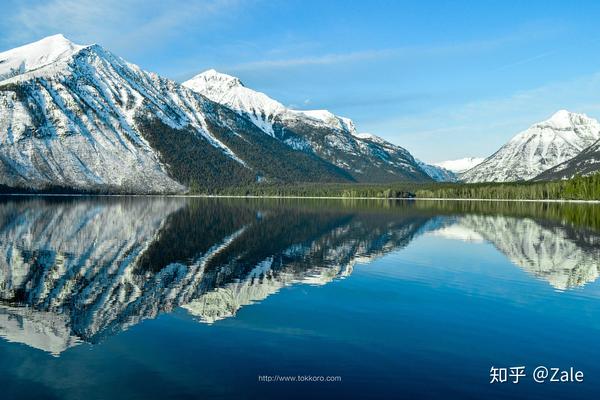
[75, 270]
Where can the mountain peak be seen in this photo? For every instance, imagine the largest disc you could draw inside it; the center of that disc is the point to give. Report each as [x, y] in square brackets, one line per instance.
[56, 38]
[214, 74]
[560, 114]
[36, 55]
[564, 119]
[213, 80]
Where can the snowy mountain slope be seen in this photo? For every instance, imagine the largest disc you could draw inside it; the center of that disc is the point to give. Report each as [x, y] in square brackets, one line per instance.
[228, 90]
[81, 118]
[437, 173]
[540, 147]
[460, 165]
[365, 157]
[585, 163]
[36, 55]
[71, 123]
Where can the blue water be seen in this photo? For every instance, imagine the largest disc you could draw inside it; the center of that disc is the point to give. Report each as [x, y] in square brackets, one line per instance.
[424, 315]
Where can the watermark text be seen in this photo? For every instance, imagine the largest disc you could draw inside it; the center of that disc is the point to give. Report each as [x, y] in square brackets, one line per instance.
[539, 374]
[299, 378]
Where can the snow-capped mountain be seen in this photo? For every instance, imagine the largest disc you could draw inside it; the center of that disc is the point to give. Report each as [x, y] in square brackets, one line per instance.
[66, 119]
[80, 118]
[585, 163]
[460, 165]
[537, 149]
[437, 173]
[365, 157]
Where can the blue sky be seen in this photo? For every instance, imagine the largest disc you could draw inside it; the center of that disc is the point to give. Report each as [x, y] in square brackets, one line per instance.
[443, 79]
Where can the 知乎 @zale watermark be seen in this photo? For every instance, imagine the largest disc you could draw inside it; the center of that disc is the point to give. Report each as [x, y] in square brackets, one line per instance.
[299, 378]
[540, 374]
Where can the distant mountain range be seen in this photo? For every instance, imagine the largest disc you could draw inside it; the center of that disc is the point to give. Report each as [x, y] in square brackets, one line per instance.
[561, 147]
[80, 118]
[437, 173]
[541, 147]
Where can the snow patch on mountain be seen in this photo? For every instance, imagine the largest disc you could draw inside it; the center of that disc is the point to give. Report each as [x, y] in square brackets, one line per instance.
[365, 136]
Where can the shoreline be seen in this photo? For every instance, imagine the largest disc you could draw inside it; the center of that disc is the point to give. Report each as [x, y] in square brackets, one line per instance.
[216, 196]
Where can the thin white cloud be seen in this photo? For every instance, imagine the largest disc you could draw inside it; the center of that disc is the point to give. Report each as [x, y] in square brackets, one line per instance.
[314, 60]
[525, 60]
[407, 52]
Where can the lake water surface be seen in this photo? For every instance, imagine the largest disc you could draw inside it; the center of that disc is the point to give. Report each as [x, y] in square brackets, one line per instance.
[167, 298]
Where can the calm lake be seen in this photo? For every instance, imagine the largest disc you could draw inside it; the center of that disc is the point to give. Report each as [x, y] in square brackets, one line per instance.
[168, 298]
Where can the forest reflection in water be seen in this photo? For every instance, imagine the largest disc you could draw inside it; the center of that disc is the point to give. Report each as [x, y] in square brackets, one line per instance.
[77, 270]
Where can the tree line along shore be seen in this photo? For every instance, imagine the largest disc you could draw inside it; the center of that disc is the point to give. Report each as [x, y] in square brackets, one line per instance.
[578, 188]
